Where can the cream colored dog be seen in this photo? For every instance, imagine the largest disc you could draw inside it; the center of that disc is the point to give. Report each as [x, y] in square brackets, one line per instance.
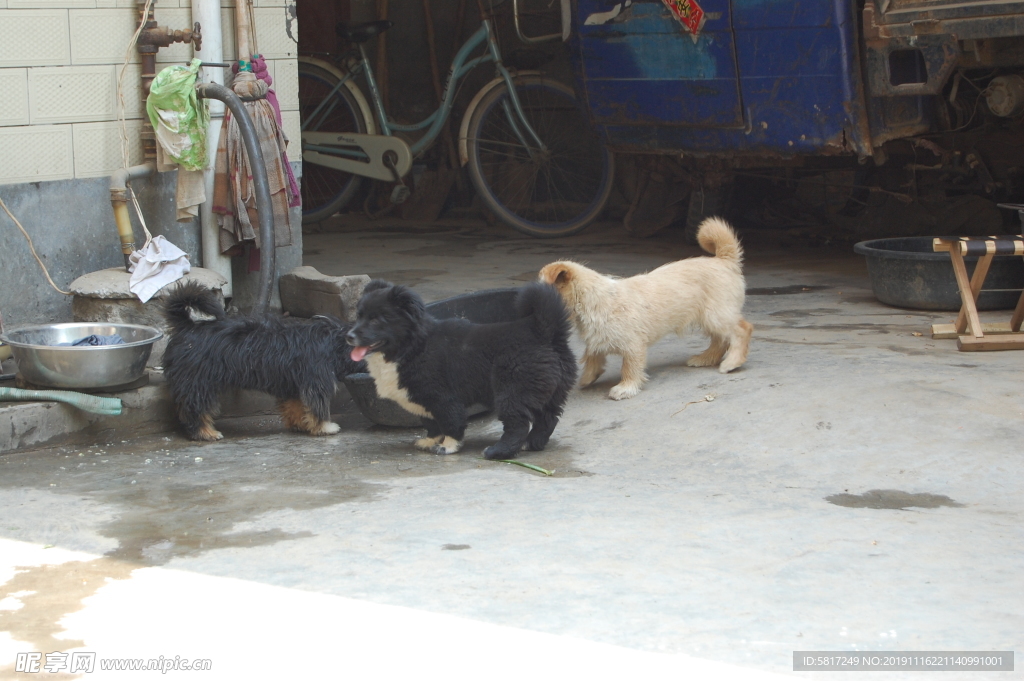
[625, 316]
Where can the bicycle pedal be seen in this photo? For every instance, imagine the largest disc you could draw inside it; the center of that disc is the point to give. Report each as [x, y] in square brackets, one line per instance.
[399, 194]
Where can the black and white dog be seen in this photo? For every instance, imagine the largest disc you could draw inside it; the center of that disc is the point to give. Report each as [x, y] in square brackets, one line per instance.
[297, 361]
[523, 369]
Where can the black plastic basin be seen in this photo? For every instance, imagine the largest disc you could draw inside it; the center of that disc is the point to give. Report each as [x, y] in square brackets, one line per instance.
[906, 273]
[482, 307]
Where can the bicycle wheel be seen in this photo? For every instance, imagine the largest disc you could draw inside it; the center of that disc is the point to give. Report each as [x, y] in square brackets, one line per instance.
[547, 193]
[325, 190]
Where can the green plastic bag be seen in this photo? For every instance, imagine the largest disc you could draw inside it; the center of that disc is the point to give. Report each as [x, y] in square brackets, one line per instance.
[178, 116]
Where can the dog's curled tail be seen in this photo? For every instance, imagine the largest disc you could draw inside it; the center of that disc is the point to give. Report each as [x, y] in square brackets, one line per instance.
[544, 306]
[717, 238]
[190, 303]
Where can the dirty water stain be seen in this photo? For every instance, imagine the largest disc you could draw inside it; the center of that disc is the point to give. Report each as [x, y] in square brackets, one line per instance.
[784, 290]
[173, 498]
[48, 593]
[614, 425]
[891, 499]
[455, 547]
[407, 277]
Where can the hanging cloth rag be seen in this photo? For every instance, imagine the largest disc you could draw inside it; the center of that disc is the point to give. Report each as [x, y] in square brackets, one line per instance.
[156, 265]
[190, 192]
[180, 121]
[234, 194]
[259, 69]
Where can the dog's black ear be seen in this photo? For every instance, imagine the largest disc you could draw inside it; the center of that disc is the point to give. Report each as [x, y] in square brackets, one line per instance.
[376, 284]
[408, 302]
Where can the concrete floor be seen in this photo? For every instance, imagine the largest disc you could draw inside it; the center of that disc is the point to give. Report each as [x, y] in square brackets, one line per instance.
[710, 542]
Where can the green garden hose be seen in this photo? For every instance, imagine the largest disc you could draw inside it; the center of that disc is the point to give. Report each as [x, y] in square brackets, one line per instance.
[105, 406]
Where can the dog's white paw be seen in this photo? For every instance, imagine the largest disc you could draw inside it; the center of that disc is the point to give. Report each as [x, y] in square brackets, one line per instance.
[724, 368]
[700, 361]
[329, 428]
[624, 392]
[427, 443]
[448, 445]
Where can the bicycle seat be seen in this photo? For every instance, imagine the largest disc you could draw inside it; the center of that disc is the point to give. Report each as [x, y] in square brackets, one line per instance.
[360, 33]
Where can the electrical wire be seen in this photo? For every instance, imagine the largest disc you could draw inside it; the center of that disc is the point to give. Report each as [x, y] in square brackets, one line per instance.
[32, 248]
[123, 126]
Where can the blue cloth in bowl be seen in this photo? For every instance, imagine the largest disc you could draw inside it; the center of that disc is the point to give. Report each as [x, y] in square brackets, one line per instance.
[95, 340]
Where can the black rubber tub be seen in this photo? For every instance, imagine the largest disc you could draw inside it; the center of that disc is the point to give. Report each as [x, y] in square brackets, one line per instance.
[482, 307]
[906, 273]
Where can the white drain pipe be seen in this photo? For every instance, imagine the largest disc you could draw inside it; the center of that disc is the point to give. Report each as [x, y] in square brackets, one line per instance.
[207, 13]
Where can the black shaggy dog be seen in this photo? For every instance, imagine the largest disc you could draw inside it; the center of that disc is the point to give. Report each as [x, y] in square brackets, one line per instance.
[523, 369]
[297, 361]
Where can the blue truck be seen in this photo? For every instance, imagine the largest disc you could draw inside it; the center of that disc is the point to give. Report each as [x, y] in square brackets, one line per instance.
[695, 94]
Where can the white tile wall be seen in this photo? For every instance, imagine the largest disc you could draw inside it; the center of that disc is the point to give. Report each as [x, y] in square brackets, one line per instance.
[97, 147]
[59, 64]
[14, 102]
[71, 94]
[101, 36]
[36, 153]
[50, 4]
[134, 105]
[292, 129]
[286, 82]
[34, 37]
[274, 31]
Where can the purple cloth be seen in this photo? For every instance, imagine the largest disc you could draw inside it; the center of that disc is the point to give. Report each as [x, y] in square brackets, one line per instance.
[259, 69]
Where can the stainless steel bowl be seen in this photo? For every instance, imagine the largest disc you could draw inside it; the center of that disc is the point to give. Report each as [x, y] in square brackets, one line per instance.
[42, 362]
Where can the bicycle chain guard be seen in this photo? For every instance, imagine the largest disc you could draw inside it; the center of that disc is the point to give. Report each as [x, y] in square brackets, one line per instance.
[339, 151]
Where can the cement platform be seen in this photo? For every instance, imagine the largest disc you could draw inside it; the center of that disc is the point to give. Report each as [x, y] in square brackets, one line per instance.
[855, 486]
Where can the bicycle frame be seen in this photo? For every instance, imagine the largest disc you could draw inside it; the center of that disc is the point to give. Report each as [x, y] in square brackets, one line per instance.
[461, 65]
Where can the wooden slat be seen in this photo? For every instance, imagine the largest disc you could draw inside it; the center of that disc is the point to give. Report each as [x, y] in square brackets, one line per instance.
[1018, 314]
[960, 271]
[1004, 342]
[941, 245]
[977, 280]
[948, 331]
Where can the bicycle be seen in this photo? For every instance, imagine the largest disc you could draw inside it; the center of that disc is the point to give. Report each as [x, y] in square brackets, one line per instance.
[531, 154]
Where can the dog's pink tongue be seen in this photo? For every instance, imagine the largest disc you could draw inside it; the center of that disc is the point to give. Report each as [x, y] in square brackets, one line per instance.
[359, 352]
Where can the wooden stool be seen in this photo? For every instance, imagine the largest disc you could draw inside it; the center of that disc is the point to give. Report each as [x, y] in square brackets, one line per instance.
[968, 329]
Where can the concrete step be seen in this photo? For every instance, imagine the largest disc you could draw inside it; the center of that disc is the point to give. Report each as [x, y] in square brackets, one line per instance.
[146, 410]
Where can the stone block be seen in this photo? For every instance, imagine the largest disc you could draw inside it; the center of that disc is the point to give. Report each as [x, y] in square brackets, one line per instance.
[306, 292]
